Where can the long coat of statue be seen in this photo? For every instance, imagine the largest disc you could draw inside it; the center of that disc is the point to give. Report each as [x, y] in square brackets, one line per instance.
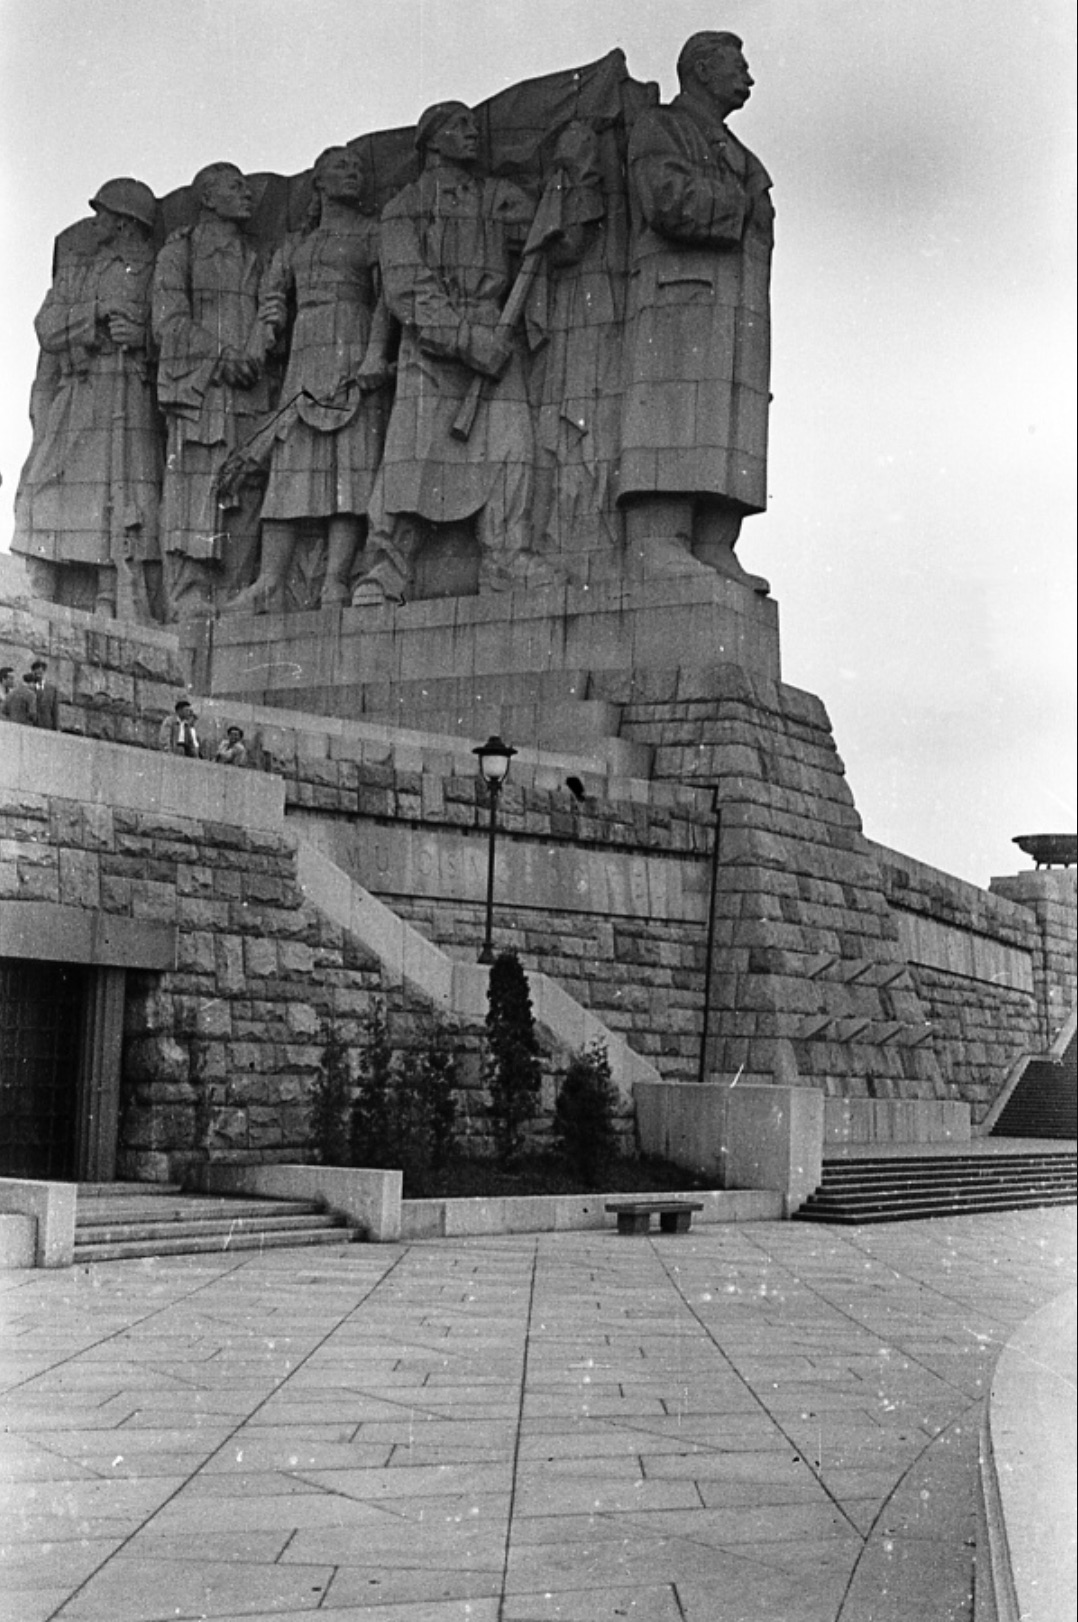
[695, 417]
[95, 468]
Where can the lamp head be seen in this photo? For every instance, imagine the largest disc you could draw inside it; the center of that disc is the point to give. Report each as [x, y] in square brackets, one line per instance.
[494, 757]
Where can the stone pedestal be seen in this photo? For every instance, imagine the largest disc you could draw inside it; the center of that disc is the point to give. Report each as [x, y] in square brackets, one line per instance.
[528, 664]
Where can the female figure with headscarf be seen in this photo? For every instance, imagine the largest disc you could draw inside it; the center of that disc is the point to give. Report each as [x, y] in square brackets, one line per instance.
[327, 441]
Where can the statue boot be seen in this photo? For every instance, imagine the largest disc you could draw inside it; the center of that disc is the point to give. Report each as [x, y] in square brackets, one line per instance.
[716, 528]
[383, 582]
[267, 591]
[523, 571]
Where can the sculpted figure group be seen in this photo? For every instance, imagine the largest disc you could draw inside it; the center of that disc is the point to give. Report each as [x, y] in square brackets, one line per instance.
[563, 380]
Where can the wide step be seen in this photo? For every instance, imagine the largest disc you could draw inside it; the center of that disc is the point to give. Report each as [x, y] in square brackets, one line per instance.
[1044, 1104]
[912, 1188]
[217, 1244]
[112, 1227]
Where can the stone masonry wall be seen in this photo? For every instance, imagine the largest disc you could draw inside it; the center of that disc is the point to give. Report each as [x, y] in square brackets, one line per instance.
[642, 976]
[809, 983]
[974, 969]
[112, 684]
[221, 1054]
[1051, 895]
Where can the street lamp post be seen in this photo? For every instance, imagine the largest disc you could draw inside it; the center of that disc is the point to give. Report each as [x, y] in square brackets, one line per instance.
[494, 757]
[709, 950]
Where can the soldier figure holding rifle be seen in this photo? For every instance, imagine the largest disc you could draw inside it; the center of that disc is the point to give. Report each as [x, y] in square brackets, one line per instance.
[213, 389]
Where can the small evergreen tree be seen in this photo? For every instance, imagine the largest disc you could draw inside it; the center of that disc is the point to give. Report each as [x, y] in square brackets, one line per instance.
[331, 1108]
[438, 1072]
[584, 1113]
[511, 1067]
[372, 1140]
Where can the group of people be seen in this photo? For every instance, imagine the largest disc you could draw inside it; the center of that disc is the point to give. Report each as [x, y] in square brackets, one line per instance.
[524, 370]
[178, 735]
[32, 701]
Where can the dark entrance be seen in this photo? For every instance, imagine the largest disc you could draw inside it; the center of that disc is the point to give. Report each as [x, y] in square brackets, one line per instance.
[60, 1033]
[41, 1010]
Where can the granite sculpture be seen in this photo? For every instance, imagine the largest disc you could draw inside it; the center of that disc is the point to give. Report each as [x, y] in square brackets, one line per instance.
[86, 511]
[460, 443]
[325, 441]
[519, 346]
[213, 388]
[694, 429]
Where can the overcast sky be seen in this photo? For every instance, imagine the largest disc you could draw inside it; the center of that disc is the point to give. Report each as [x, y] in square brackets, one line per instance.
[920, 537]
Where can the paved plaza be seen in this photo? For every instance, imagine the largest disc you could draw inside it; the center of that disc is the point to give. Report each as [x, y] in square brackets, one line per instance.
[752, 1423]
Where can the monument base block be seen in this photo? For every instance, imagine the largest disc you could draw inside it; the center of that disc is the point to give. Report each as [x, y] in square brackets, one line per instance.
[522, 663]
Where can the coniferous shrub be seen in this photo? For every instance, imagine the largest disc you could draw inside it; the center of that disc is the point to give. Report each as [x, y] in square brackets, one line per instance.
[584, 1113]
[404, 1110]
[331, 1110]
[439, 1078]
[371, 1136]
[422, 1107]
[511, 1066]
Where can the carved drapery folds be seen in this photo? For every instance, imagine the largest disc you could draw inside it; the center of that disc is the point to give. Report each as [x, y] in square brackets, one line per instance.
[519, 345]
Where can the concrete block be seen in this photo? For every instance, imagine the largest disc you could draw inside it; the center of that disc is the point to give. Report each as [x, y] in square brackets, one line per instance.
[775, 1141]
[369, 1199]
[684, 1122]
[18, 1238]
[51, 1207]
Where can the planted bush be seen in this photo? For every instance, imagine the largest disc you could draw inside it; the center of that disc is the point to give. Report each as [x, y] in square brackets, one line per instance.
[584, 1128]
[371, 1136]
[331, 1111]
[404, 1111]
[511, 1065]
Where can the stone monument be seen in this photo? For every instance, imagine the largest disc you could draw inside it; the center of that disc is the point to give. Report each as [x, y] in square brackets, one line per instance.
[519, 346]
[506, 373]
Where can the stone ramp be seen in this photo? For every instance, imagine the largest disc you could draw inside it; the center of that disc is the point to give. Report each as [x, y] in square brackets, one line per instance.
[454, 988]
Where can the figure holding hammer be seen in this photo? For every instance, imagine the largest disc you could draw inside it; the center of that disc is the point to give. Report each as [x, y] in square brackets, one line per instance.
[460, 255]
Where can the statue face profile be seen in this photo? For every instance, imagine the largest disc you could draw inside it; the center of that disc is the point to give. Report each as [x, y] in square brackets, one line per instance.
[227, 194]
[457, 138]
[107, 225]
[724, 74]
[340, 176]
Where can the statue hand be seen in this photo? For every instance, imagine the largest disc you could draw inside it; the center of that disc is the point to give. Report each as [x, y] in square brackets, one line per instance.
[239, 371]
[489, 351]
[125, 331]
[372, 373]
[272, 310]
[577, 152]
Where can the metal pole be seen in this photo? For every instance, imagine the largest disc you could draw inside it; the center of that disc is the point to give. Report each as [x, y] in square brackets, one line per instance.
[487, 953]
[709, 950]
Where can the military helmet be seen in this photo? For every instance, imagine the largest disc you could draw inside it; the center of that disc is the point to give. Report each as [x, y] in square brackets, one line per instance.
[132, 198]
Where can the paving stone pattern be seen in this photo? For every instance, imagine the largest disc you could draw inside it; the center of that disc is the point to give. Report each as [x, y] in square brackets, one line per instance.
[765, 1424]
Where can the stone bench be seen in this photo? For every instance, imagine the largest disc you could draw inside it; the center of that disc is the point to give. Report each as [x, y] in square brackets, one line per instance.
[634, 1216]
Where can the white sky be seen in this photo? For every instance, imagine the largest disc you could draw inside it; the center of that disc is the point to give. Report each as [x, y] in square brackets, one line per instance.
[920, 539]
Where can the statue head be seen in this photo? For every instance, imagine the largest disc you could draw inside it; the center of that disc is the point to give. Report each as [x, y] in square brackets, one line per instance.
[712, 65]
[340, 175]
[448, 129]
[223, 189]
[120, 200]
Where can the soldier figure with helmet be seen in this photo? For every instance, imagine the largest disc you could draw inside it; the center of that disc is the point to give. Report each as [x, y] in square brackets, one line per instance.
[86, 512]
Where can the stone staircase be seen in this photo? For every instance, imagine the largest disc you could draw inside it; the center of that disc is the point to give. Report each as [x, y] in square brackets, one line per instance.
[904, 1188]
[1044, 1104]
[114, 1221]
